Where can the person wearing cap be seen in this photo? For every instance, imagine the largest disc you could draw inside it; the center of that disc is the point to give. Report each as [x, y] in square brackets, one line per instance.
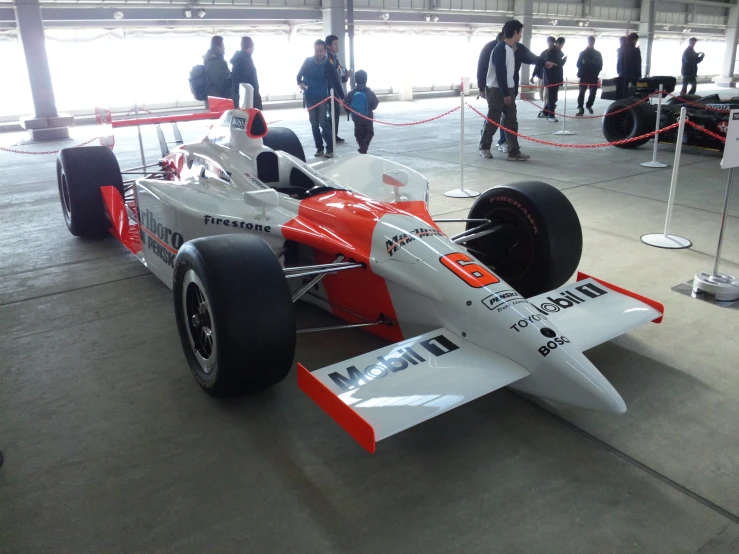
[244, 71]
[691, 59]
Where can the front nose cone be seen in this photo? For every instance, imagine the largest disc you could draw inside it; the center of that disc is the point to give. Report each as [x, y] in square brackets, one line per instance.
[569, 377]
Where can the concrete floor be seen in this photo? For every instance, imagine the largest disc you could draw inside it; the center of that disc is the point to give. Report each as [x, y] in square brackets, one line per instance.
[111, 447]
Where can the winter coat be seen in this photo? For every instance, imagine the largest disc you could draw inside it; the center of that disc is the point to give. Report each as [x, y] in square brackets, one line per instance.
[317, 77]
[372, 102]
[217, 75]
[341, 75]
[630, 63]
[691, 59]
[589, 66]
[244, 71]
[555, 74]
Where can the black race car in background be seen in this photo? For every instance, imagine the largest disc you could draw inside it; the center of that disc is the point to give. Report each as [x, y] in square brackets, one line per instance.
[632, 116]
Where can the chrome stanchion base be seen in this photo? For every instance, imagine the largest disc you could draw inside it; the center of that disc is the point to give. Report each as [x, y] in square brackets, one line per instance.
[670, 241]
[460, 193]
[723, 288]
[654, 165]
[563, 133]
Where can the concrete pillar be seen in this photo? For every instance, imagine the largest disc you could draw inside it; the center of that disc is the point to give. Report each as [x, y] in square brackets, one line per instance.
[523, 10]
[334, 24]
[726, 79]
[647, 15]
[46, 123]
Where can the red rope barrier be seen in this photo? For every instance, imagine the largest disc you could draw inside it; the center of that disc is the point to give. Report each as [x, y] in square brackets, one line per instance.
[706, 131]
[399, 124]
[561, 145]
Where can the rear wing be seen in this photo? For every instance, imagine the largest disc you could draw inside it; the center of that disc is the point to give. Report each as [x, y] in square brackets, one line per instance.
[104, 117]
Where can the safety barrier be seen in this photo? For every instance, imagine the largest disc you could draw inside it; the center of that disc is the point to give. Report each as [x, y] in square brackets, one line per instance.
[457, 108]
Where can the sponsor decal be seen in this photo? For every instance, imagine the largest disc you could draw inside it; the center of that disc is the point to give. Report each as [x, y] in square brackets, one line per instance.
[523, 323]
[735, 116]
[404, 358]
[237, 223]
[501, 299]
[166, 255]
[238, 123]
[718, 107]
[401, 240]
[568, 298]
[256, 182]
[723, 126]
[553, 344]
[165, 234]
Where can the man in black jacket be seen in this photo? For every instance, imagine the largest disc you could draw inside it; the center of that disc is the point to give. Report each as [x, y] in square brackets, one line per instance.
[553, 78]
[589, 66]
[342, 76]
[630, 69]
[483, 63]
[217, 74]
[244, 71]
[691, 59]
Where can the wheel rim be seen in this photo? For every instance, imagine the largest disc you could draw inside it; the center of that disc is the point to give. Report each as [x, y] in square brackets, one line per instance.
[66, 202]
[509, 251]
[197, 312]
[622, 124]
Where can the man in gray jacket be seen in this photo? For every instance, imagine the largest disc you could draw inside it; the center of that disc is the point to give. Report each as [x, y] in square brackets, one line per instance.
[217, 74]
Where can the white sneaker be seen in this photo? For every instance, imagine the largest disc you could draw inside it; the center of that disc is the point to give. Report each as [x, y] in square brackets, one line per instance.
[553, 120]
[486, 154]
[503, 147]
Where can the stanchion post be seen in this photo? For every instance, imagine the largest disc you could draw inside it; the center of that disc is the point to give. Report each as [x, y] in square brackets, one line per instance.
[665, 239]
[333, 124]
[564, 117]
[723, 288]
[141, 140]
[654, 163]
[461, 192]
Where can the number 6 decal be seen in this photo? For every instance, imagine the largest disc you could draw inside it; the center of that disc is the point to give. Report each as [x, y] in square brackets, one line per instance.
[468, 270]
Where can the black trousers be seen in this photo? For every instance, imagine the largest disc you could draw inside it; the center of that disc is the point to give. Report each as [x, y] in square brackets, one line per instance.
[337, 112]
[363, 132]
[591, 96]
[688, 81]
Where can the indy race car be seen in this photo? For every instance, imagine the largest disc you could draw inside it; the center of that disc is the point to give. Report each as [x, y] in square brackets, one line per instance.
[634, 116]
[240, 227]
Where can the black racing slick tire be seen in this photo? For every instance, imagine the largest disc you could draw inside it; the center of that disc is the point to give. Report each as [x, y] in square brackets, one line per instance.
[80, 173]
[638, 120]
[284, 139]
[537, 244]
[234, 314]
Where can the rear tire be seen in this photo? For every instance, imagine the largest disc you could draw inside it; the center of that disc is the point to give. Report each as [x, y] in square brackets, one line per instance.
[630, 123]
[234, 314]
[284, 139]
[539, 247]
[80, 173]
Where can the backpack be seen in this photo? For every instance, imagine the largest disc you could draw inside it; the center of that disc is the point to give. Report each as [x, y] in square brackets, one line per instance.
[197, 82]
[359, 104]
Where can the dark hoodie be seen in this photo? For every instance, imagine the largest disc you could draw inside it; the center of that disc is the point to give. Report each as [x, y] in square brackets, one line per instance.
[217, 75]
[244, 71]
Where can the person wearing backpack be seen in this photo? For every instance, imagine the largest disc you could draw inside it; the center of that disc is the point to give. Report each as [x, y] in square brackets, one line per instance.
[217, 76]
[362, 101]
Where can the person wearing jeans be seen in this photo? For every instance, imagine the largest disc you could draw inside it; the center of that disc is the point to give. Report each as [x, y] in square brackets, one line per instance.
[315, 78]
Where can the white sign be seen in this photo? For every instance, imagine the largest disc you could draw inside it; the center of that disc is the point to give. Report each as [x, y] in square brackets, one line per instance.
[731, 150]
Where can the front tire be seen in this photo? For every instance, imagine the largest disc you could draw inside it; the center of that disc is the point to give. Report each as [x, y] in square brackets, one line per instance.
[539, 243]
[234, 314]
[639, 120]
[80, 173]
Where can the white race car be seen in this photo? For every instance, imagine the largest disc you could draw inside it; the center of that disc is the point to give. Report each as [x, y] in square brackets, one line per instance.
[241, 227]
